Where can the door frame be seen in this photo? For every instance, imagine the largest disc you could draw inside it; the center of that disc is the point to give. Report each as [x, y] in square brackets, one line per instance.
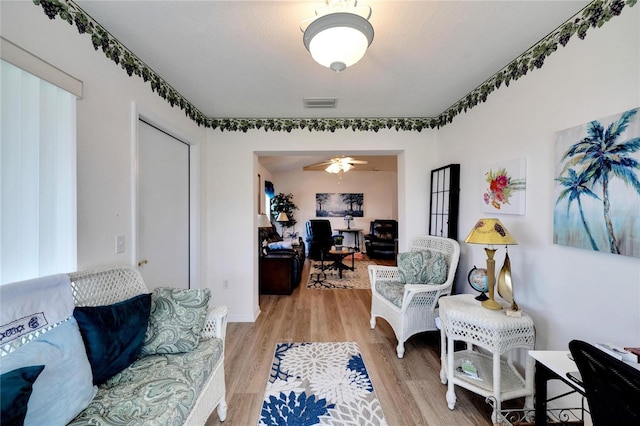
[138, 113]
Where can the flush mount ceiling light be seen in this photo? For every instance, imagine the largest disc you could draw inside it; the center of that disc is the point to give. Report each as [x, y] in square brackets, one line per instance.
[339, 35]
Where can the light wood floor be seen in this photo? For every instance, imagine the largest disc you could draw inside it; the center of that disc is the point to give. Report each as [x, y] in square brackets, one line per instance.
[409, 389]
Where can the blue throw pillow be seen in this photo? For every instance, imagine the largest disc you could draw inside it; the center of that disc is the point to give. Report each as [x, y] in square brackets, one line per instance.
[279, 245]
[113, 334]
[15, 391]
[65, 386]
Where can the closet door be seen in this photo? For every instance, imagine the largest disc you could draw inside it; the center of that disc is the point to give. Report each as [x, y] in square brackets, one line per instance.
[163, 208]
[445, 192]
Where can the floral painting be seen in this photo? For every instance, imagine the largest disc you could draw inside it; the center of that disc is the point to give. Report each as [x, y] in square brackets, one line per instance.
[504, 190]
[597, 188]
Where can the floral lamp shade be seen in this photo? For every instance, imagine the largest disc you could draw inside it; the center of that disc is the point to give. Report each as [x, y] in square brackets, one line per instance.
[490, 231]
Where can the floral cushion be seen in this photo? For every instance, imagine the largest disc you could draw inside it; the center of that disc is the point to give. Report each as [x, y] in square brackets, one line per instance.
[176, 320]
[393, 291]
[154, 390]
[422, 267]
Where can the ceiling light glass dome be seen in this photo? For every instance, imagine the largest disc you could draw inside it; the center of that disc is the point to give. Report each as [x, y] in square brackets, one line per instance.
[340, 35]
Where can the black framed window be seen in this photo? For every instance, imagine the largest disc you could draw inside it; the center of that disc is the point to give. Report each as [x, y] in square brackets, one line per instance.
[444, 203]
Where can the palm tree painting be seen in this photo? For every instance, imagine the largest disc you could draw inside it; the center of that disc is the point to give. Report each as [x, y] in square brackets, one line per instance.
[598, 186]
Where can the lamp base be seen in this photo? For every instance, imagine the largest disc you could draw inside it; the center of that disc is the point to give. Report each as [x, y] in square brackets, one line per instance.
[491, 304]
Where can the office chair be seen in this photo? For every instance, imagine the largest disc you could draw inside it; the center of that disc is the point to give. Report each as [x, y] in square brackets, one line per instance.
[319, 237]
[612, 386]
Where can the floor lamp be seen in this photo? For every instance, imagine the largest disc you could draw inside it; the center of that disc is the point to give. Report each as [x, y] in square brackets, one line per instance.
[490, 232]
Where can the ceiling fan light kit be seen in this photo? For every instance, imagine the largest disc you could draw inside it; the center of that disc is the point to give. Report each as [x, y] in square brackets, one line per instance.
[342, 164]
[338, 167]
[340, 35]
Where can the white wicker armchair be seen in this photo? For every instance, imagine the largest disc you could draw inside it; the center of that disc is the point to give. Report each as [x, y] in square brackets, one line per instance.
[418, 310]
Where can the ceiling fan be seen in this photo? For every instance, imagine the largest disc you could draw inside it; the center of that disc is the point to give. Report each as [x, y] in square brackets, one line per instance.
[340, 164]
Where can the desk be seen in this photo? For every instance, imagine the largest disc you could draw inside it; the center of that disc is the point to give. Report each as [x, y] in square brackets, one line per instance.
[551, 365]
[356, 235]
[464, 319]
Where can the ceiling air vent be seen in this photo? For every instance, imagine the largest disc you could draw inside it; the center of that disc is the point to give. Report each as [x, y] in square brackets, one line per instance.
[320, 102]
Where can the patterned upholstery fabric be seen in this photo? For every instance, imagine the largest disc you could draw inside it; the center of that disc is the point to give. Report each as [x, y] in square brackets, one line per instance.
[412, 267]
[393, 291]
[154, 390]
[422, 267]
[437, 268]
[176, 320]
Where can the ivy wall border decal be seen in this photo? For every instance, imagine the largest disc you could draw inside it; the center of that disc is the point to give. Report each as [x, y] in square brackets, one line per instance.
[594, 15]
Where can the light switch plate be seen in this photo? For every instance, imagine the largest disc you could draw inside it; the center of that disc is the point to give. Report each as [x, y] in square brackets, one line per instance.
[119, 244]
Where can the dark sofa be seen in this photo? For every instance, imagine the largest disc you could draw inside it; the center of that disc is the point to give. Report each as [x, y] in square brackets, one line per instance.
[280, 268]
[382, 240]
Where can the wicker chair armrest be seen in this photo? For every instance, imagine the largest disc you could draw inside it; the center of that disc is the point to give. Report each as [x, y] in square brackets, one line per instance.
[412, 291]
[215, 324]
[382, 273]
[427, 288]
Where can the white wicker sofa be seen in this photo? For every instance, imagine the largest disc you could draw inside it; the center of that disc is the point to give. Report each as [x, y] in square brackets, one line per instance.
[157, 388]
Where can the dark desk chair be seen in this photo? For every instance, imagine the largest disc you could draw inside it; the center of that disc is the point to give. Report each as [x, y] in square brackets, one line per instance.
[612, 386]
[319, 237]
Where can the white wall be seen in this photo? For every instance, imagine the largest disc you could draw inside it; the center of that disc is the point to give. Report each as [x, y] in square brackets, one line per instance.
[232, 168]
[105, 128]
[571, 293]
[380, 191]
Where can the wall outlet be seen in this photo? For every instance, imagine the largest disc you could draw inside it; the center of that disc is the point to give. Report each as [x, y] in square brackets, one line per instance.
[119, 244]
[225, 284]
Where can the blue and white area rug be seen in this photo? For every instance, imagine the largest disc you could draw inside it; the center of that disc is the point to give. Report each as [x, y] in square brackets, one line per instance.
[319, 384]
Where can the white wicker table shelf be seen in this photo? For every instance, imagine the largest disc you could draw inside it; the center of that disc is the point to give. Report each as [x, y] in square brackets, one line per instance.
[464, 319]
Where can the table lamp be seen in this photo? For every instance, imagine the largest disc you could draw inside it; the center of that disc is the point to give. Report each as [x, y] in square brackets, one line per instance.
[282, 218]
[490, 232]
[263, 221]
[348, 218]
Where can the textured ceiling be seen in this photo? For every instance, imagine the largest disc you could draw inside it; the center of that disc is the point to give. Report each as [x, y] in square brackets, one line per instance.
[246, 58]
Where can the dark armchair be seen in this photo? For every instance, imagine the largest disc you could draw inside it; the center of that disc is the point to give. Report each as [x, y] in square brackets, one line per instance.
[381, 241]
[319, 237]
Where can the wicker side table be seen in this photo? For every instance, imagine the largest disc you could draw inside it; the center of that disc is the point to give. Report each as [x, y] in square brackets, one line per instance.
[464, 319]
